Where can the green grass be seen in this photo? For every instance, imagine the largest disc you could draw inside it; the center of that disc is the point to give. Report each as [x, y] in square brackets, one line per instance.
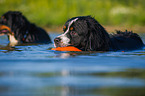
[56, 12]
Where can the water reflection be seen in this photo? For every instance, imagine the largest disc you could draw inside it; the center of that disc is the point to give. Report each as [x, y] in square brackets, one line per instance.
[65, 55]
[129, 82]
[8, 49]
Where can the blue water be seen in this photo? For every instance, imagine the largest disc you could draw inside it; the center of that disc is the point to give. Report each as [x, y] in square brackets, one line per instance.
[35, 70]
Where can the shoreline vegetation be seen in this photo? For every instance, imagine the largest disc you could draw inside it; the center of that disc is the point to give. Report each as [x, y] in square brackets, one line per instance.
[52, 14]
[109, 29]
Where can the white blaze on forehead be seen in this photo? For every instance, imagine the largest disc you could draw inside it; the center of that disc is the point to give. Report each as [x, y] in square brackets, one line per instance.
[64, 38]
[70, 23]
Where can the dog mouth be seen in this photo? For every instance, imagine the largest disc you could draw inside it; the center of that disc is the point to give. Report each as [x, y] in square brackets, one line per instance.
[4, 30]
[61, 44]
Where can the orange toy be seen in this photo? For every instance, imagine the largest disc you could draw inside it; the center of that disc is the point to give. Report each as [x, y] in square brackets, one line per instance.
[69, 48]
[2, 27]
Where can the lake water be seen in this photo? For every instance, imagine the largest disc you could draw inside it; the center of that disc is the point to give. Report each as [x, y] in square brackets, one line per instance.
[34, 70]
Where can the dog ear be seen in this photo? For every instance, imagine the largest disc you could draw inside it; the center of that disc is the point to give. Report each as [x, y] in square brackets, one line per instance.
[98, 38]
[19, 24]
[21, 20]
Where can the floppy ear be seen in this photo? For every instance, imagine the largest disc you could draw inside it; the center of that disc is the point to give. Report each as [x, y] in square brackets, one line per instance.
[19, 24]
[19, 20]
[98, 38]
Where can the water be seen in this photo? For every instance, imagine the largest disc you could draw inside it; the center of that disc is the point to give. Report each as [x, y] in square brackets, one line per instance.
[34, 70]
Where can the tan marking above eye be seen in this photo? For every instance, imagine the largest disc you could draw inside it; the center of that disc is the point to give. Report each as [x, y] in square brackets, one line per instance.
[71, 28]
[64, 27]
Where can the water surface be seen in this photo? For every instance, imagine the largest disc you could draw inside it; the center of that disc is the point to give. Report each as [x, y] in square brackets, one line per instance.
[34, 70]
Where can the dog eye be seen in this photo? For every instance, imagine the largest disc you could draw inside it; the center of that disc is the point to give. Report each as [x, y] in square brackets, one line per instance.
[71, 28]
[73, 33]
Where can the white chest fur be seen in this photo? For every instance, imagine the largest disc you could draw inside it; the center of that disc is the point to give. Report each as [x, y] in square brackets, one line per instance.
[12, 40]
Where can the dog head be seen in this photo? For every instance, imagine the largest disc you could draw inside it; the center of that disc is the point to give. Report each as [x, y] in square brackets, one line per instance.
[11, 22]
[84, 33]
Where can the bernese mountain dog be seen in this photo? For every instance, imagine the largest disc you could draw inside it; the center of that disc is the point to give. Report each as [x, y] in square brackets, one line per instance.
[20, 30]
[86, 34]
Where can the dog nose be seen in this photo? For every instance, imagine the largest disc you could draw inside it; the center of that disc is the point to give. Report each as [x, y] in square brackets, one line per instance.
[57, 40]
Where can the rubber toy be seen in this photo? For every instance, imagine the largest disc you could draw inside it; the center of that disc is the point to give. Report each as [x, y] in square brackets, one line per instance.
[68, 48]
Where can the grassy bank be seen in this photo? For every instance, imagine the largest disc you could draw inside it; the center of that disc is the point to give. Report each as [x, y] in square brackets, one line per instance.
[56, 12]
[110, 29]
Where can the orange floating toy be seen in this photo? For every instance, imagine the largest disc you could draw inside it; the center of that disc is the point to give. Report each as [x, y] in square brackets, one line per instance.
[69, 48]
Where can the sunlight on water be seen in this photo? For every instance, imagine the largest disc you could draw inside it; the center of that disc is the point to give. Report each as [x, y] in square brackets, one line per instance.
[35, 70]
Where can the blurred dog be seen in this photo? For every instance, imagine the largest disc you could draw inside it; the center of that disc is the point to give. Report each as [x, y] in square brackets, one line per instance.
[87, 34]
[20, 30]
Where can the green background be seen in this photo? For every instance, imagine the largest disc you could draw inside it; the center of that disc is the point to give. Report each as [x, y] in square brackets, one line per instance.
[56, 12]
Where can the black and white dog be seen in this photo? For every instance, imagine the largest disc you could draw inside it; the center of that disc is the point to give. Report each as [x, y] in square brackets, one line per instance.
[87, 34]
[20, 30]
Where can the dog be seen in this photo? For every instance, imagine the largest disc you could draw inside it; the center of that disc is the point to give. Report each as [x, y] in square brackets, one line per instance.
[86, 34]
[20, 30]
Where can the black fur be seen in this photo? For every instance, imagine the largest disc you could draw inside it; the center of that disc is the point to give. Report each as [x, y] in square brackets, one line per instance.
[126, 41]
[91, 36]
[23, 30]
